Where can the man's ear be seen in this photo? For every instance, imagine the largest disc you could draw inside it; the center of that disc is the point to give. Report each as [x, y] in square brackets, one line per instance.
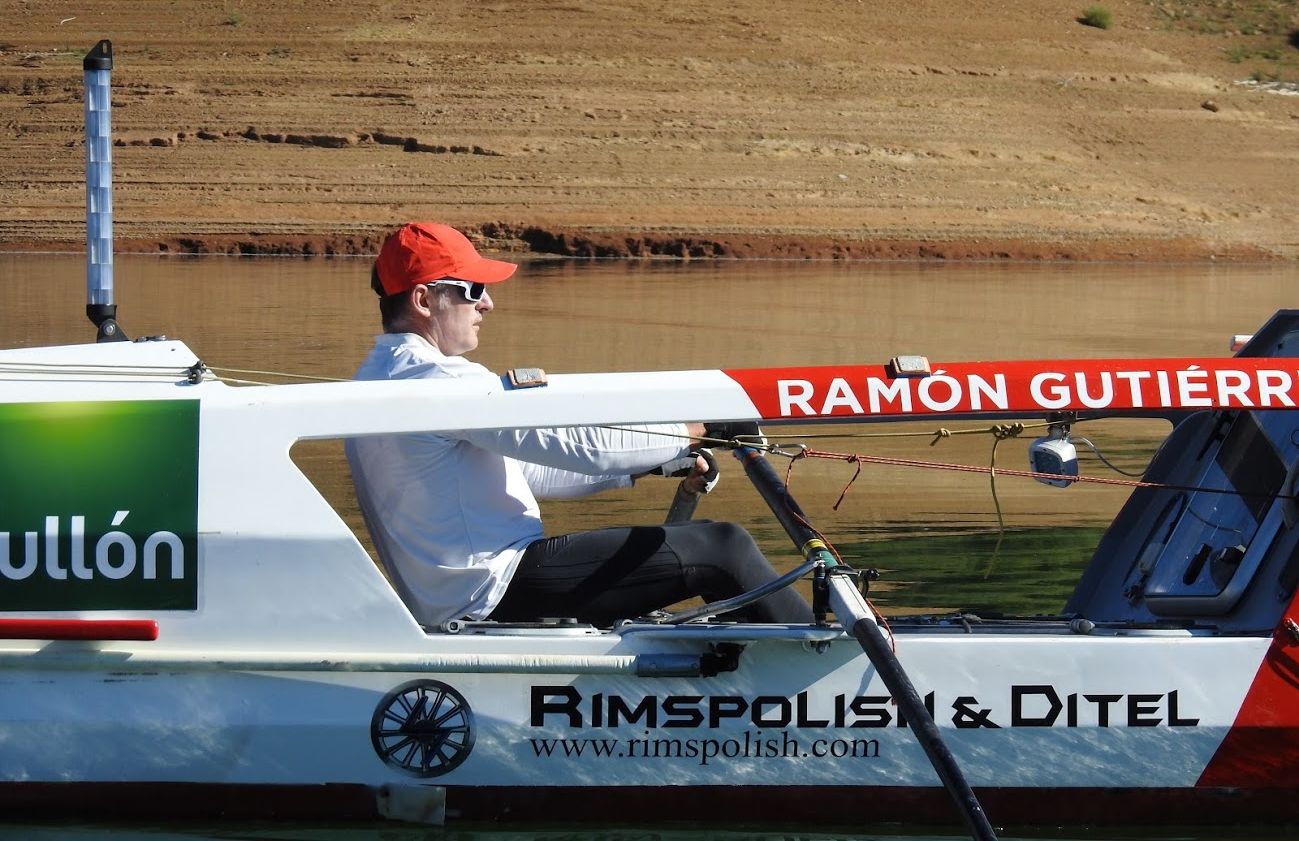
[421, 300]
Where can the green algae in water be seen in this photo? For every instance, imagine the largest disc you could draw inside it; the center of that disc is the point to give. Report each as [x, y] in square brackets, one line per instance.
[1021, 572]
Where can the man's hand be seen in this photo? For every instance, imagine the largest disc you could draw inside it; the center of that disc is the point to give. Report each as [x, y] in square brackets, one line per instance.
[703, 475]
[678, 467]
[742, 432]
[698, 472]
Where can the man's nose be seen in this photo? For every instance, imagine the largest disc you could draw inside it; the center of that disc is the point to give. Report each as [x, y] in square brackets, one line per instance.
[485, 303]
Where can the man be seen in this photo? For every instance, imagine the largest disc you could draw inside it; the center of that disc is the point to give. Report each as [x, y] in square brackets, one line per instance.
[454, 515]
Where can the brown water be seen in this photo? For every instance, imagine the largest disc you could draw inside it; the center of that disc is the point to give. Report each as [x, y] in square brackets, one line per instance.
[933, 533]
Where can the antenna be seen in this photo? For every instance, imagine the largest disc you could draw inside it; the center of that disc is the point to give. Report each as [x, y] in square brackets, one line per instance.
[100, 309]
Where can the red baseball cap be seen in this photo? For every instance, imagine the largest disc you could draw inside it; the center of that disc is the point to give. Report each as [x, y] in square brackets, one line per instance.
[422, 252]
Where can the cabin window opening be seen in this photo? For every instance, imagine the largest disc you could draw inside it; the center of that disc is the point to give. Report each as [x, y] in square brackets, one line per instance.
[1157, 537]
[325, 467]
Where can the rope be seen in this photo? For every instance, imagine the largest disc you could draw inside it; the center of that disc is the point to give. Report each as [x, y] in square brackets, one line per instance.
[1000, 432]
[829, 546]
[937, 435]
[69, 370]
[57, 368]
[851, 458]
[1029, 474]
[221, 376]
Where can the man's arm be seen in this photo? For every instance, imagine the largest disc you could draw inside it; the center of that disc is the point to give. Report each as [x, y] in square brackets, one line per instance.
[557, 483]
[591, 450]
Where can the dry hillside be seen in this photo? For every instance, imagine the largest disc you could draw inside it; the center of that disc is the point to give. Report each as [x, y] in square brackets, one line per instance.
[819, 127]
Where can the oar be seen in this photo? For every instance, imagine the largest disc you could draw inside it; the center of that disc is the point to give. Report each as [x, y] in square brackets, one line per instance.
[859, 619]
[687, 500]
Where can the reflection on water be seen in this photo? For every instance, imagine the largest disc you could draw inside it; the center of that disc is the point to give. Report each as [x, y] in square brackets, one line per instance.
[318, 315]
[933, 534]
[1021, 572]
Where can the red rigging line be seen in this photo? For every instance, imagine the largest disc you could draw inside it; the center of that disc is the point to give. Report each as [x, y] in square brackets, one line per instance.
[879, 617]
[858, 459]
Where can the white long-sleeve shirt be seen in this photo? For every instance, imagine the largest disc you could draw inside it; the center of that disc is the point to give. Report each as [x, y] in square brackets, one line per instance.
[451, 513]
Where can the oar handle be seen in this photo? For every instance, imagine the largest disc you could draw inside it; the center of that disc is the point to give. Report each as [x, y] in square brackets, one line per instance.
[687, 500]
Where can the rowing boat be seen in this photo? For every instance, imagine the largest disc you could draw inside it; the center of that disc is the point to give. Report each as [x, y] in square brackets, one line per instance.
[187, 627]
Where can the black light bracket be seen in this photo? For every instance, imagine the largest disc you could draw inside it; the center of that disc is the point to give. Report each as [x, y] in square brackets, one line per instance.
[104, 317]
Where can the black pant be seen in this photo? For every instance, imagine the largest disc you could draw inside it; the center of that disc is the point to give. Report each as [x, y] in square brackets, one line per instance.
[602, 576]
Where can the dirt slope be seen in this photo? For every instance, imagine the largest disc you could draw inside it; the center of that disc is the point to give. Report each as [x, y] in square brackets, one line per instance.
[817, 128]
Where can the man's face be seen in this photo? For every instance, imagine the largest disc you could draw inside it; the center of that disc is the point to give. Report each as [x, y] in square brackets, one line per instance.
[454, 319]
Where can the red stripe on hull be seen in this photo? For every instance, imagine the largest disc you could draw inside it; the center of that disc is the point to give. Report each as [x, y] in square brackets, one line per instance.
[144, 630]
[1262, 748]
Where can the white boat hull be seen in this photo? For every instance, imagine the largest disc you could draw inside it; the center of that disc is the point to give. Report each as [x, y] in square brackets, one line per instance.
[1022, 713]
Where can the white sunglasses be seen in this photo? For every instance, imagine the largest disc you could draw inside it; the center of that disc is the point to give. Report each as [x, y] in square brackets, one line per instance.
[473, 292]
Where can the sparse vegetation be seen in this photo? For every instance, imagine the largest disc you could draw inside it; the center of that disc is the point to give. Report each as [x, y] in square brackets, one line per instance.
[67, 55]
[1262, 32]
[1237, 53]
[1097, 16]
[234, 17]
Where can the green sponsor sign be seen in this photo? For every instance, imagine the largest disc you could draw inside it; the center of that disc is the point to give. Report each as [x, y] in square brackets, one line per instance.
[99, 506]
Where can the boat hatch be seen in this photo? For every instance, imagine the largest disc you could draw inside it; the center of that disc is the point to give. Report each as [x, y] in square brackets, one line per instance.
[1214, 541]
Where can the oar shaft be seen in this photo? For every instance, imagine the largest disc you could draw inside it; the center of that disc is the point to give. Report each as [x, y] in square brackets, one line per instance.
[782, 505]
[683, 505]
[858, 618]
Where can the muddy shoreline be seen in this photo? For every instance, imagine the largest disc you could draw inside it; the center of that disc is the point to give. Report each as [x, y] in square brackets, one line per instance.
[539, 241]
